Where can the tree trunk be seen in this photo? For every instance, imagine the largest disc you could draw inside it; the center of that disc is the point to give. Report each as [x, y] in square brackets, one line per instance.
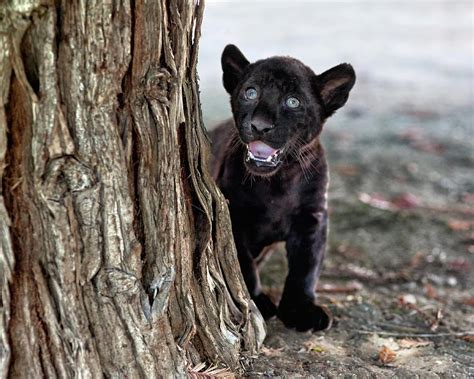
[116, 252]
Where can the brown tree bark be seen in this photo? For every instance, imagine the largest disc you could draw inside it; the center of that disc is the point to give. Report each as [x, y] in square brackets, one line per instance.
[116, 252]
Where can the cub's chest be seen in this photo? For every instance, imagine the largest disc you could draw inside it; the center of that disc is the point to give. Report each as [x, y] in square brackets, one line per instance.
[264, 210]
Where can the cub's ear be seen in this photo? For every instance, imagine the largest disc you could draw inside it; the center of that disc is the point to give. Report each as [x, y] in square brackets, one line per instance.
[334, 86]
[233, 64]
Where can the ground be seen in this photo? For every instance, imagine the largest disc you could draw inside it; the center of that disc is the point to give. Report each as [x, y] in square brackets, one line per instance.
[398, 270]
[398, 274]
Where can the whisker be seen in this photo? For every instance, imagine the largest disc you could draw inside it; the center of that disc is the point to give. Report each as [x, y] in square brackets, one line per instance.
[306, 158]
[296, 155]
[234, 143]
[246, 176]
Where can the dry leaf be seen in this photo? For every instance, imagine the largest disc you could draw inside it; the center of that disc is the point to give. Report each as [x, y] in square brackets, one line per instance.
[407, 299]
[361, 272]
[318, 349]
[460, 225]
[401, 201]
[411, 134]
[347, 170]
[348, 251]
[431, 292]
[375, 200]
[469, 301]
[468, 198]
[406, 201]
[308, 345]
[311, 346]
[271, 352]
[332, 288]
[417, 260]
[416, 139]
[468, 338]
[459, 264]
[200, 371]
[387, 355]
[408, 343]
[435, 323]
[339, 135]
[422, 114]
[428, 146]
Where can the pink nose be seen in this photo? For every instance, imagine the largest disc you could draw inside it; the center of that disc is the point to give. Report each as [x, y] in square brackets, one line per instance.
[260, 149]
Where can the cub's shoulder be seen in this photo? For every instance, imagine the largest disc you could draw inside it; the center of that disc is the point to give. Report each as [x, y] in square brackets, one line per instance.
[222, 136]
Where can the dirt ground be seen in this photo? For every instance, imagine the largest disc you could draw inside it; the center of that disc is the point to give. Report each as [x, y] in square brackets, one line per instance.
[398, 274]
[398, 270]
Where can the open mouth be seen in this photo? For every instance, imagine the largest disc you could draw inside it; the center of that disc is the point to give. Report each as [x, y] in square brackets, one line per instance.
[262, 156]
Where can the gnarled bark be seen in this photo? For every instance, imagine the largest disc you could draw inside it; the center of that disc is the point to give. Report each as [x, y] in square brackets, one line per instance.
[116, 253]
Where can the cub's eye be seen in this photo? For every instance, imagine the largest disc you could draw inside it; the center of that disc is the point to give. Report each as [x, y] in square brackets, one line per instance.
[251, 93]
[292, 102]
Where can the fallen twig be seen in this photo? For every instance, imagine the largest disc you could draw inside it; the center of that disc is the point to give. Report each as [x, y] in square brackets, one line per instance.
[399, 328]
[200, 371]
[331, 288]
[367, 275]
[378, 202]
[417, 335]
[465, 210]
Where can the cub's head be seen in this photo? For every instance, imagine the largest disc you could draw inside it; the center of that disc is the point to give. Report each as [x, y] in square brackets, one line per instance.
[280, 105]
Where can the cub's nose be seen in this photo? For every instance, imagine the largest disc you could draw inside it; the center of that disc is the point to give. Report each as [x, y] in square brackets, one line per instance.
[261, 126]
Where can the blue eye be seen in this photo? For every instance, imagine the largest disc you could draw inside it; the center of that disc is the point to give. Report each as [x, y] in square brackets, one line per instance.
[292, 102]
[251, 93]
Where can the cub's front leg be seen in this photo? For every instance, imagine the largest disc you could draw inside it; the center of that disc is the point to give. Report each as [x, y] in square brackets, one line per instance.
[305, 250]
[249, 269]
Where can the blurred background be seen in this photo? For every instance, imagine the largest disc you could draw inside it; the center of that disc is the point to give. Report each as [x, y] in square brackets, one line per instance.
[401, 247]
[416, 53]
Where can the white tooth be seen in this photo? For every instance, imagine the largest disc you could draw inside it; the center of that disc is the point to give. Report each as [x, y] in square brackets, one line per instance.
[273, 158]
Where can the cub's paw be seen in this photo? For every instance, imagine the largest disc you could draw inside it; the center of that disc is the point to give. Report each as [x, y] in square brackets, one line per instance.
[265, 306]
[304, 315]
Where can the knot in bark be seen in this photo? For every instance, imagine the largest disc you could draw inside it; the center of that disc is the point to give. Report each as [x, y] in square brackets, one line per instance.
[112, 282]
[158, 84]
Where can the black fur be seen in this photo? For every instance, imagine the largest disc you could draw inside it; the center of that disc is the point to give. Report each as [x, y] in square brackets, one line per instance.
[286, 202]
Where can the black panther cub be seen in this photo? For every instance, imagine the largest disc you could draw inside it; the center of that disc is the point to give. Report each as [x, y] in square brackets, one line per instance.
[270, 165]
